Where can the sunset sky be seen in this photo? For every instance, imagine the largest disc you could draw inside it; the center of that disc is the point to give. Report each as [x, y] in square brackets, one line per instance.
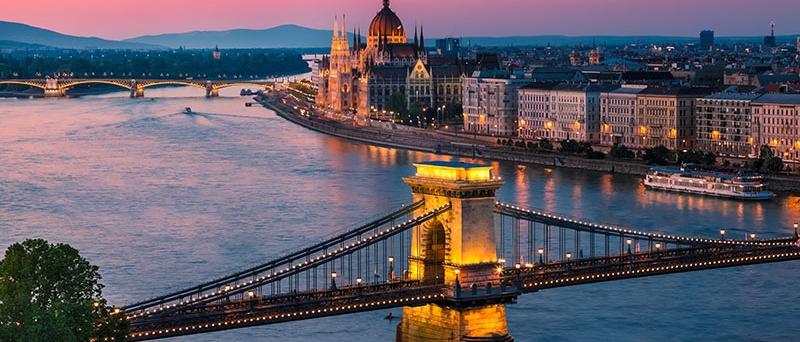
[118, 19]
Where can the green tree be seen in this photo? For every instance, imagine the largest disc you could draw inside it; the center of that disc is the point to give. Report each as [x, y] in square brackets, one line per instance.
[545, 144]
[767, 161]
[619, 151]
[397, 104]
[659, 155]
[50, 293]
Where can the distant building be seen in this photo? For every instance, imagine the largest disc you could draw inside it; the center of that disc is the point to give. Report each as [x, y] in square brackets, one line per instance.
[776, 123]
[560, 111]
[595, 57]
[448, 47]
[706, 39]
[723, 122]
[490, 102]
[769, 41]
[618, 115]
[666, 116]
[798, 44]
[575, 58]
[216, 54]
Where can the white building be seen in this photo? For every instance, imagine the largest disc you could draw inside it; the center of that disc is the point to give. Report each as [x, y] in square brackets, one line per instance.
[560, 111]
[776, 123]
[618, 115]
[490, 103]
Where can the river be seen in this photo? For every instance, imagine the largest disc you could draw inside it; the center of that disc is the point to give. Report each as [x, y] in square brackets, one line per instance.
[161, 200]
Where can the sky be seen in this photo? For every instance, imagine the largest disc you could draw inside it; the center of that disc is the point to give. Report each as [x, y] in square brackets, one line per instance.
[117, 19]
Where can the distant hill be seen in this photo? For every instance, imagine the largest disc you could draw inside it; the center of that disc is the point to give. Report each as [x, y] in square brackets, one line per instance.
[285, 36]
[10, 44]
[22, 33]
[558, 40]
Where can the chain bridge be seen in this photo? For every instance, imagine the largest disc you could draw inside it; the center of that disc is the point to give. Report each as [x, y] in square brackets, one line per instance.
[453, 259]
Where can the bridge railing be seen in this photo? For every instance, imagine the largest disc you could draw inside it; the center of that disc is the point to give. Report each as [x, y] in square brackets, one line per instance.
[528, 237]
[371, 254]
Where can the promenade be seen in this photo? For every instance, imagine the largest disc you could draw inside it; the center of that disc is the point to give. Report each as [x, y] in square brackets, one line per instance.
[449, 143]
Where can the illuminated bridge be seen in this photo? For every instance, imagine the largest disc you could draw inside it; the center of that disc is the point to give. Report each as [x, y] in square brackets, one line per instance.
[57, 87]
[453, 259]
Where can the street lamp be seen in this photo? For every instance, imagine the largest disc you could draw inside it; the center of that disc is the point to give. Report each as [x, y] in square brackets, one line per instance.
[658, 245]
[722, 234]
[333, 280]
[541, 255]
[391, 268]
[629, 242]
[752, 236]
[795, 229]
[359, 280]
[569, 256]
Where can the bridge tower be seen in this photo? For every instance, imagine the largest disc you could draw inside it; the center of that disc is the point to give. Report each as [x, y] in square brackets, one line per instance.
[457, 249]
[52, 89]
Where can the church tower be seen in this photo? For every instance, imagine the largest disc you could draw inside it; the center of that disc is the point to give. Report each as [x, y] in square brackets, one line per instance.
[340, 71]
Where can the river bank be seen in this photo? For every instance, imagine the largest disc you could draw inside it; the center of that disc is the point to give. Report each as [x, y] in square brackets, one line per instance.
[409, 138]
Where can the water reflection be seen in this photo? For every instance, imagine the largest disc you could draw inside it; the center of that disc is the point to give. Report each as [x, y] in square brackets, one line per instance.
[162, 200]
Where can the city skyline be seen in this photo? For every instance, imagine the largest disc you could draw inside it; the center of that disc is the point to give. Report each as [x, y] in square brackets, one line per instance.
[114, 20]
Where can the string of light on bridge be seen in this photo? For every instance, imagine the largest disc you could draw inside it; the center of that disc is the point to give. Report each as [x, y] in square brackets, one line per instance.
[256, 282]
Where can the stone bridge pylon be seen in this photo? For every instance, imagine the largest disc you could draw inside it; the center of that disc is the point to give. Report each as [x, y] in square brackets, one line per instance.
[458, 249]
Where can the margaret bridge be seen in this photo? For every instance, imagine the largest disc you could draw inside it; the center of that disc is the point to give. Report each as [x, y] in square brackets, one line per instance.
[452, 259]
[57, 87]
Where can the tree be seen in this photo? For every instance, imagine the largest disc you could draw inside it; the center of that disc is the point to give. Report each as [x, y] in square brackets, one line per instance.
[545, 144]
[767, 162]
[397, 103]
[659, 155]
[697, 157]
[621, 152]
[50, 293]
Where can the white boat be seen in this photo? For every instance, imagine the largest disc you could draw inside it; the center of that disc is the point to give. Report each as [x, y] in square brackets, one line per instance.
[687, 180]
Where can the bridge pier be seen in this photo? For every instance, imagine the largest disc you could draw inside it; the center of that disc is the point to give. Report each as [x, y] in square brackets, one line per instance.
[211, 91]
[137, 91]
[52, 89]
[457, 249]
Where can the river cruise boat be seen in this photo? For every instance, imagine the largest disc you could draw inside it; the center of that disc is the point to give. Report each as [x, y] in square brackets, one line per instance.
[688, 180]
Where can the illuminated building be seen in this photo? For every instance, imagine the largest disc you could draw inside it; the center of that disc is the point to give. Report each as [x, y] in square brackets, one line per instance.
[364, 77]
[723, 123]
[665, 116]
[490, 102]
[776, 123]
[560, 111]
[618, 115]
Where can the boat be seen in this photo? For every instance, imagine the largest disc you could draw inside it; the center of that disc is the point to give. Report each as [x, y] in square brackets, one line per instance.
[688, 179]
[188, 110]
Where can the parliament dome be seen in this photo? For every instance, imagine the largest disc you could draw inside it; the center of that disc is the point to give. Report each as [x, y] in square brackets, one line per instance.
[386, 23]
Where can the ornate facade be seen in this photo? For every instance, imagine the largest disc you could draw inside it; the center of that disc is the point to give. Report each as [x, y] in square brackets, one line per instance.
[364, 77]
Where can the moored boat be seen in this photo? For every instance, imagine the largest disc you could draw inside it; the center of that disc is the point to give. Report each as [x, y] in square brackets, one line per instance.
[688, 180]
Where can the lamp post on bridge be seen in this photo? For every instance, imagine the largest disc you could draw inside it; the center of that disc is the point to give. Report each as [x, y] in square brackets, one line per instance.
[333, 280]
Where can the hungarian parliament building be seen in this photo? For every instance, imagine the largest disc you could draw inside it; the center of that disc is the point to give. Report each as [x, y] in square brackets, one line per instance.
[362, 77]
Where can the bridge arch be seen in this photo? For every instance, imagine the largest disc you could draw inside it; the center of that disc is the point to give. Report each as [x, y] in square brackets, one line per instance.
[242, 84]
[122, 84]
[148, 84]
[40, 85]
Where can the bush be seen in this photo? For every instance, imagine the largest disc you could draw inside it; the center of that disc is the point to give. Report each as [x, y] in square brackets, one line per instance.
[595, 155]
[659, 155]
[545, 144]
[619, 151]
[572, 146]
[697, 157]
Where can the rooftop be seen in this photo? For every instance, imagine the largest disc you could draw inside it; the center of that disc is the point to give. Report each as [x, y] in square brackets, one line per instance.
[789, 99]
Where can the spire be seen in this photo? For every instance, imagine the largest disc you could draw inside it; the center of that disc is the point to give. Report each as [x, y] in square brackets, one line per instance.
[386, 3]
[416, 37]
[422, 38]
[344, 26]
[355, 40]
[335, 27]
